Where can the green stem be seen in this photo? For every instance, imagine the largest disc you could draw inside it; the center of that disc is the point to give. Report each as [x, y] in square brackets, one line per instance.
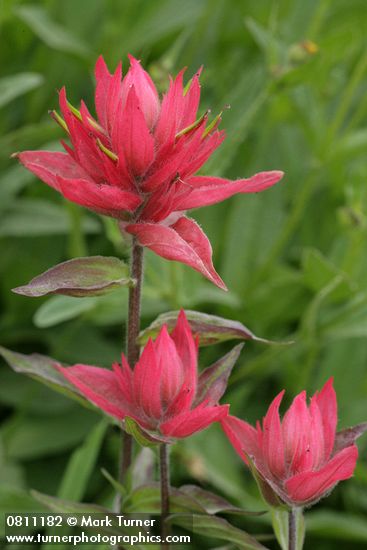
[165, 488]
[318, 19]
[347, 98]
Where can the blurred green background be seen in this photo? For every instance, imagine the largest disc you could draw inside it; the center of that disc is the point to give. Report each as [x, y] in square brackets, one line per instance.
[294, 257]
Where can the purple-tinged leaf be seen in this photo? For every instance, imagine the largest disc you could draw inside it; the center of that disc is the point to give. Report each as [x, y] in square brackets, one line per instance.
[266, 490]
[213, 380]
[214, 504]
[90, 276]
[210, 328]
[63, 506]
[147, 498]
[216, 528]
[42, 368]
[347, 437]
[188, 498]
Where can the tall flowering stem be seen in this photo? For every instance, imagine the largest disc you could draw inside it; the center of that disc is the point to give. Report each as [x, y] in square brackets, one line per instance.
[165, 490]
[136, 161]
[132, 333]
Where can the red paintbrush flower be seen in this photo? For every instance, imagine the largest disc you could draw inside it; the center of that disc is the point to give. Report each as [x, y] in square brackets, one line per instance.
[138, 162]
[164, 393]
[300, 458]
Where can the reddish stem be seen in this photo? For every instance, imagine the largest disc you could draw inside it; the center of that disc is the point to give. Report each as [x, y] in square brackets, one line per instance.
[132, 347]
[292, 529]
[165, 487]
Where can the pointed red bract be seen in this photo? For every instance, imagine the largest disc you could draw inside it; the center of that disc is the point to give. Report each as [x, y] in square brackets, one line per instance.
[99, 386]
[143, 151]
[296, 457]
[159, 392]
[310, 486]
[208, 190]
[131, 138]
[183, 242]
[326, 401]
[273, 447]
[193, 421]
[145, 89]
[243, 437]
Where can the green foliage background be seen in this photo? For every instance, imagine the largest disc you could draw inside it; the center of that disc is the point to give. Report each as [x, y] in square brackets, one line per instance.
[294, 257]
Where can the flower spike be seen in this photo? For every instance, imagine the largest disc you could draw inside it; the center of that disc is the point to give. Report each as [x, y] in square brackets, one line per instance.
[137, 150]
[301, 458]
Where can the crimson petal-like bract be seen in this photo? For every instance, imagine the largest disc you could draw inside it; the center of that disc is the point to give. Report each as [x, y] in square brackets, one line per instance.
[309, 486]
[184, 241]
[137, 161]
[159, 393]
[206, 190]
[99, 386]
[296, 457]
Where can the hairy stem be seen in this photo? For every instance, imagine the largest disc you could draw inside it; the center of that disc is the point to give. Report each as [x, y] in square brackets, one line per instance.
[132, 347]
[165, 485]
[292, 529]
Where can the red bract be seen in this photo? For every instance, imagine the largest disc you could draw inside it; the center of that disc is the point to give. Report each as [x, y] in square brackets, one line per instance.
[163, 393]
[301, 458]
[138, 162]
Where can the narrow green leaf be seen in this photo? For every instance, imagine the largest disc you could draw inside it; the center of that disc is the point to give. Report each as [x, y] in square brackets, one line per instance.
[30, 438]
[349, 320]
[16, 85]
[77, 474]
[339, 526]
[37, 217]
[119, 488]
[318, 271]
[279, 519]
[50, 32]
[61, 308]
[81, 464]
